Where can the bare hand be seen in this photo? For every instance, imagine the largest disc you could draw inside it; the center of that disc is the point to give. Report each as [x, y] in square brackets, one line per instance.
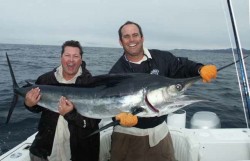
[32, 97]
[65, 106]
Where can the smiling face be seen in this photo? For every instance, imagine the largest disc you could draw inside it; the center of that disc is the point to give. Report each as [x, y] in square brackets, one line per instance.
[132, 42]
[71, 61]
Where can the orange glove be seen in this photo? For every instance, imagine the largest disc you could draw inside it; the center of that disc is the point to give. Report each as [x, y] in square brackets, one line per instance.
[208, 72]
[127, 119]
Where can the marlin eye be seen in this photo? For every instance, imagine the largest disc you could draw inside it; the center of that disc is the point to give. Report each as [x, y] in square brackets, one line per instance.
[178, 87]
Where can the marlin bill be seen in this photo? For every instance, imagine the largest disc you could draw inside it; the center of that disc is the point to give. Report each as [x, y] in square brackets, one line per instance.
[107, 95]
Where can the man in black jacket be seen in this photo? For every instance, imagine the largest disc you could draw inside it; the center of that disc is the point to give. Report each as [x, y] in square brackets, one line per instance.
[148, 139]
[62, 136]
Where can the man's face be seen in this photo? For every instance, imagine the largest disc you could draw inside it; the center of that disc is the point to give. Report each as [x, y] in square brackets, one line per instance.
[131, 40]
[71, 61]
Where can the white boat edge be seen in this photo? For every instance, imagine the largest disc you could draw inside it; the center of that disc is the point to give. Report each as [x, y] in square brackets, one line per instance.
[218, 144]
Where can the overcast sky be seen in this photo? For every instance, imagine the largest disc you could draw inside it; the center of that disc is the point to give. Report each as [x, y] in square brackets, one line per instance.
[167, 24]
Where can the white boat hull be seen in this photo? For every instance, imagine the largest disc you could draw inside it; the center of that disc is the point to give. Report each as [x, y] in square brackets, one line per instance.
[189, 145]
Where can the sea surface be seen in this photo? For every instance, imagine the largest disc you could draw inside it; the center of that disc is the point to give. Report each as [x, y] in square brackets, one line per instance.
[221, 96]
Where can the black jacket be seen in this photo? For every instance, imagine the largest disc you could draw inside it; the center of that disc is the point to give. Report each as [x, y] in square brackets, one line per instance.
[82, 149]
[165, 62]
[162, 63]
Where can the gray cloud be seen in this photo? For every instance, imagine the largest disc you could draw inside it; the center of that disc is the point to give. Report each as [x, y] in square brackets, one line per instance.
[167, 24]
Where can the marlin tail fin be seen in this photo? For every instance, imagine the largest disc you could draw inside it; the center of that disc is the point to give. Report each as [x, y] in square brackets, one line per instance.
[15, 86]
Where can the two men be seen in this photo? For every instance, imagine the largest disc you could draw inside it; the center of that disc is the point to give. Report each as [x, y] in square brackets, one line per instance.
[137, 139]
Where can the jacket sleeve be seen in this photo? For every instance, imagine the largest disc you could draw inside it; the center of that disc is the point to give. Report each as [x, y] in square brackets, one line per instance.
[183, 67]
[175, 67]
[75, 118]
[35, 109]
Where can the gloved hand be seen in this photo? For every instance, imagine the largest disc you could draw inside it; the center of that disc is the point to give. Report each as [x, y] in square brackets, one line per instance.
[208, 72]
[127, 119]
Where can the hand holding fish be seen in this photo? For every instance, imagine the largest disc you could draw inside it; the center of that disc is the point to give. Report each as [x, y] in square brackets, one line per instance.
[65, 106]
[208, 72]
[32, 97]
[127, 119]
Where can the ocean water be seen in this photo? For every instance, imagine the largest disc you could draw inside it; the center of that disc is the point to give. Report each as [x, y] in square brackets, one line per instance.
[29, 61]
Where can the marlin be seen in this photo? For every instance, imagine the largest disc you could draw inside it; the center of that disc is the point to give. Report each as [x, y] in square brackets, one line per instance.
[108, 95]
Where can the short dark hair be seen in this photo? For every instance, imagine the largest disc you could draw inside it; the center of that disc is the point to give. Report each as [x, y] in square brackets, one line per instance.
[72, 43]
[128, 23]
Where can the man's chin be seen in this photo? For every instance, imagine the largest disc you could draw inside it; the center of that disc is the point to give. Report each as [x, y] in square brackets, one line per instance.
[72, 73]
[133, 52]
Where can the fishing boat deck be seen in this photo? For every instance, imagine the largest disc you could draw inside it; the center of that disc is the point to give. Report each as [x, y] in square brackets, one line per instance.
[189, 145]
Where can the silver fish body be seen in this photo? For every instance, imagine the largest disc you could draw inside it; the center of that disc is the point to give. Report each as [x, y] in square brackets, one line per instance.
[111, 94]
[108, 95]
